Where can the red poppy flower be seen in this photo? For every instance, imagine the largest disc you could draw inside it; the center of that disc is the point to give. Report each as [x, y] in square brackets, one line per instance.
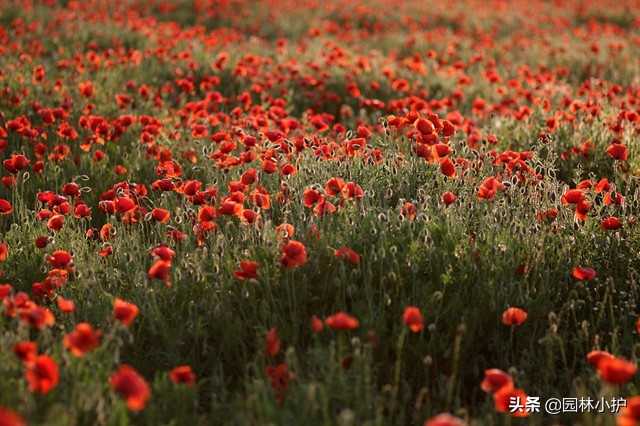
[503, 398]
[82, 340]
[293, 254]
[514, 316]
[445, 419]
[279, 379]
[42, 242]
[448, 198]
[424, 126]
[160, 215]
[5, 207]
[594, 357]
[42, 375]
[160, 270]
[495, 379]
[447, 167]
[582, 208]
[124, 312]
[408, 210]
[16, 163]
[352, 190]
[183, 374]
[341, 321]
[55, 223]
[248, 269]
[230, 208]
[616, 370]
[131, 386]
[548, 215]
[316, 324]
[630, 414]
[323, 207]
[348, 255]
[71, 189]
[617, 152]
[584, 273]
[412, 317]
[4, 249]
[311, 197]
[272, 346]
[488, 188]
[611, 223]
[66, 306]
[59, 259]
[288, 169]
[38, 316]
[26, 351]
[206, 214]
[572, 196]
[10, 418]
[334, 186]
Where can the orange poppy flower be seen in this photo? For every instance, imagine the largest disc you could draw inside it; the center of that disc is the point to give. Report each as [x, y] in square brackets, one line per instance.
[341, 321]
[183, 374]
[412, 317]
[514, 316]
[293, 254]
[82, 340]
[42, 375]
[124, 312]
[131, 386]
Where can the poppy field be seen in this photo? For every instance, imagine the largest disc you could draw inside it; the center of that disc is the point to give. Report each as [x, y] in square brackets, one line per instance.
[326, 212]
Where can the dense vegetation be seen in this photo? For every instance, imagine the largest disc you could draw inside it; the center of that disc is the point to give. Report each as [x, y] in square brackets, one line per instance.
[235, 212]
